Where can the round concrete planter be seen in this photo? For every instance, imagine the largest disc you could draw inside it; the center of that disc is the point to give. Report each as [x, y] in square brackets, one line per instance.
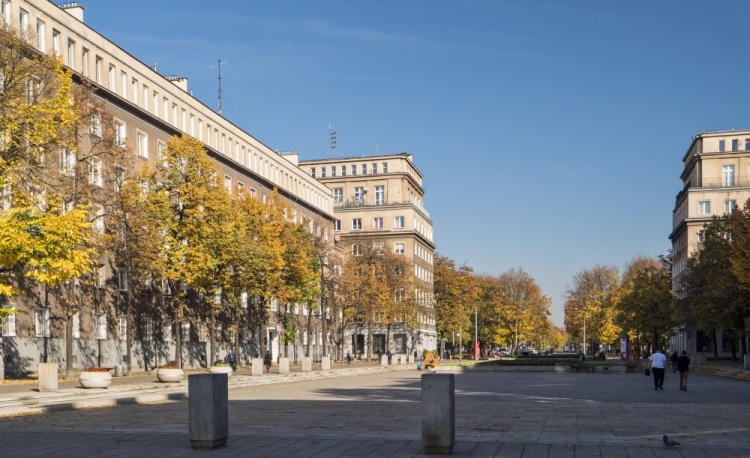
[166, 375]
[95, 379]
[221, 370]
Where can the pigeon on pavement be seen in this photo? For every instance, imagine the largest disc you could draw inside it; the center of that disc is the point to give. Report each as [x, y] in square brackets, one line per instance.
[669, 442]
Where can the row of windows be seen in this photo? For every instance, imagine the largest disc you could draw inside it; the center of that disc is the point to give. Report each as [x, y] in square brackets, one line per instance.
[735, 145]
[377, 223]
[398, 248]
[152, 101]
[422, 253]
[422, 273]
[359, 195]
[340, 170]
[704, 206]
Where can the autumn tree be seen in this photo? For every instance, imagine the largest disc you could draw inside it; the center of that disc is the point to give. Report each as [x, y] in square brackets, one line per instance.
[455, 293]
[589, 305]
[647, 306]
[740, 259]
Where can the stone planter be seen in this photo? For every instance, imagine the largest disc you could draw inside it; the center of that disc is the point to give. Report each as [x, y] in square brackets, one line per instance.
[166, 375]
[95, 379]
[221, 370]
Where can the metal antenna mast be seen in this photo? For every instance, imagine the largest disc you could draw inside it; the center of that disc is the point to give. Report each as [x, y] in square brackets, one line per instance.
[332, 131]
[219, 64]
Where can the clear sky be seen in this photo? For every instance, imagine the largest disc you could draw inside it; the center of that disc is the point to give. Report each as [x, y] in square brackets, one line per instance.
[550, 133]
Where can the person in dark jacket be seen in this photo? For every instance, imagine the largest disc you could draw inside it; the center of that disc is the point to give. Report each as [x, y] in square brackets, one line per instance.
[673, 359]
[267, 361]
[683, 365]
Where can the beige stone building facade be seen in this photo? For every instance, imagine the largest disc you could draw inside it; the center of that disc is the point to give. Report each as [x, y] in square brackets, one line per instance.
[381, 198]
[715, 180]
[148, 108]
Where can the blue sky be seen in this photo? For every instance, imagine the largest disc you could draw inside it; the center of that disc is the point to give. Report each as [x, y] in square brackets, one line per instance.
[550, 134]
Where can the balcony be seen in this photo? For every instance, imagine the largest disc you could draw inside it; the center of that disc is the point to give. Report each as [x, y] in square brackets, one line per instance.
[354, 203]
[712, 183]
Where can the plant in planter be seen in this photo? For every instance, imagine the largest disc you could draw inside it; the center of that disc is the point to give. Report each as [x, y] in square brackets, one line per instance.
[95, 377]
[170, 372]
[220, 367]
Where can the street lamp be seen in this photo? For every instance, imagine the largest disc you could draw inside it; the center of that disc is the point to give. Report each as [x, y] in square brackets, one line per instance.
[584, 329]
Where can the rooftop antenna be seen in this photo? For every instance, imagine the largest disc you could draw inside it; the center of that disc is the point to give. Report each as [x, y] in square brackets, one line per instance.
[219, 63]
[332, 131]
[154, 66]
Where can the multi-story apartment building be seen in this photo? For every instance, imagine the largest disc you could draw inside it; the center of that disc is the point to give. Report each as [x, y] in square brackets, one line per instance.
[381, 198]
[148, 109]
[715, 180]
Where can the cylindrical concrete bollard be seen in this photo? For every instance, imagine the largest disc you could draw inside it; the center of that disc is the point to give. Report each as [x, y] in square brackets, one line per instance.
[47, 375]
[384, 360]
[119, 372]
[325, 363]
[438, 413]
[208, 408]
[283, 365]
[306, 364]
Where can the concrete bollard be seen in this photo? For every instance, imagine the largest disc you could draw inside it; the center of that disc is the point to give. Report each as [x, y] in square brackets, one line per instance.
[119, 372]
[402, 360]
[438, 413]
[411, 358]
[257, 366]
[325, 363]
[47, 374]
[384, 360]
[208, 408]
[283, 365]
[306, 364]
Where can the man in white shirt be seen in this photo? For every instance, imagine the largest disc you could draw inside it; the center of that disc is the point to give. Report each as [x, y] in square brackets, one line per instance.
[657, 363]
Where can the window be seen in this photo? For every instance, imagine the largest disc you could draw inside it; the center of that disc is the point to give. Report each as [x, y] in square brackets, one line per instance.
[185, 331]
[312, 172]
[202, 331]
[85, 62]
[142, 145]
[399, 248]
[95, 128]
[76, 325]
[730, 206]
[6, 11]
[356, 224]
[364, 169]
[124, 84]
[120, 133]
[156, 104]
[123, 328]
[98, 275]
[735, 145]
[56, 42]
[200, 129]
[134, 90]
[343, 170]
[356, 250]
[112, 82]
[374, 168]
[337, 225]
[727, 175]
[704, 207]
[323, 172]
[722, 146]
[359, 195]
[95, 172]
[122, 279]
[166, 330]
[747, 144]
[98, 223]
[333, 171]
[9, 323]
[174, 114]
[98, 70]
[701, 235]
[145, 97]
[147, 332]
[23, 23]
[379, 195]
[192, 125]
[377, 222]
[100, 322]
[67, 161]
[41, 323]
[354, 170]
[338, 194]
[165, 104]
[378, 248]
[398, 222]
[41, 36]
[71, 53]
[385, 167]
[228, 183]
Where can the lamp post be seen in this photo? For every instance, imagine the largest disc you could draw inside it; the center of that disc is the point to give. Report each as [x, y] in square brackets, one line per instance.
[584, 329]
[476, 332]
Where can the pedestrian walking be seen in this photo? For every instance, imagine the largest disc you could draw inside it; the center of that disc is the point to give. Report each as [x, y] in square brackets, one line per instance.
[683, 365]
[390, 355]
[267, 361]
[348, 359]
[415, 355]
[657, 363]
[673, 359]
[231, 359]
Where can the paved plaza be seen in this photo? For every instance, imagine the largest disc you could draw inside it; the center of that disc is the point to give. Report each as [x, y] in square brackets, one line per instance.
[497, 414]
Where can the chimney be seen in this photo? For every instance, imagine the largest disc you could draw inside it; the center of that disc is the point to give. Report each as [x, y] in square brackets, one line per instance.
[179, 81]
[74, 9]
[291, 156]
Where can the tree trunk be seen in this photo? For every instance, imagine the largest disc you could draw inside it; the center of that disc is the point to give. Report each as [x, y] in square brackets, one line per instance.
[323, 308]
[68, 344]
[734, 351]
[129, 336]
[2, 357]
[656, 339]
[387, 337]
[212, 340]
[237, 354]
[178, 340]
[716, 346]
[743, 343]
[370, 341]
[309, 326]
